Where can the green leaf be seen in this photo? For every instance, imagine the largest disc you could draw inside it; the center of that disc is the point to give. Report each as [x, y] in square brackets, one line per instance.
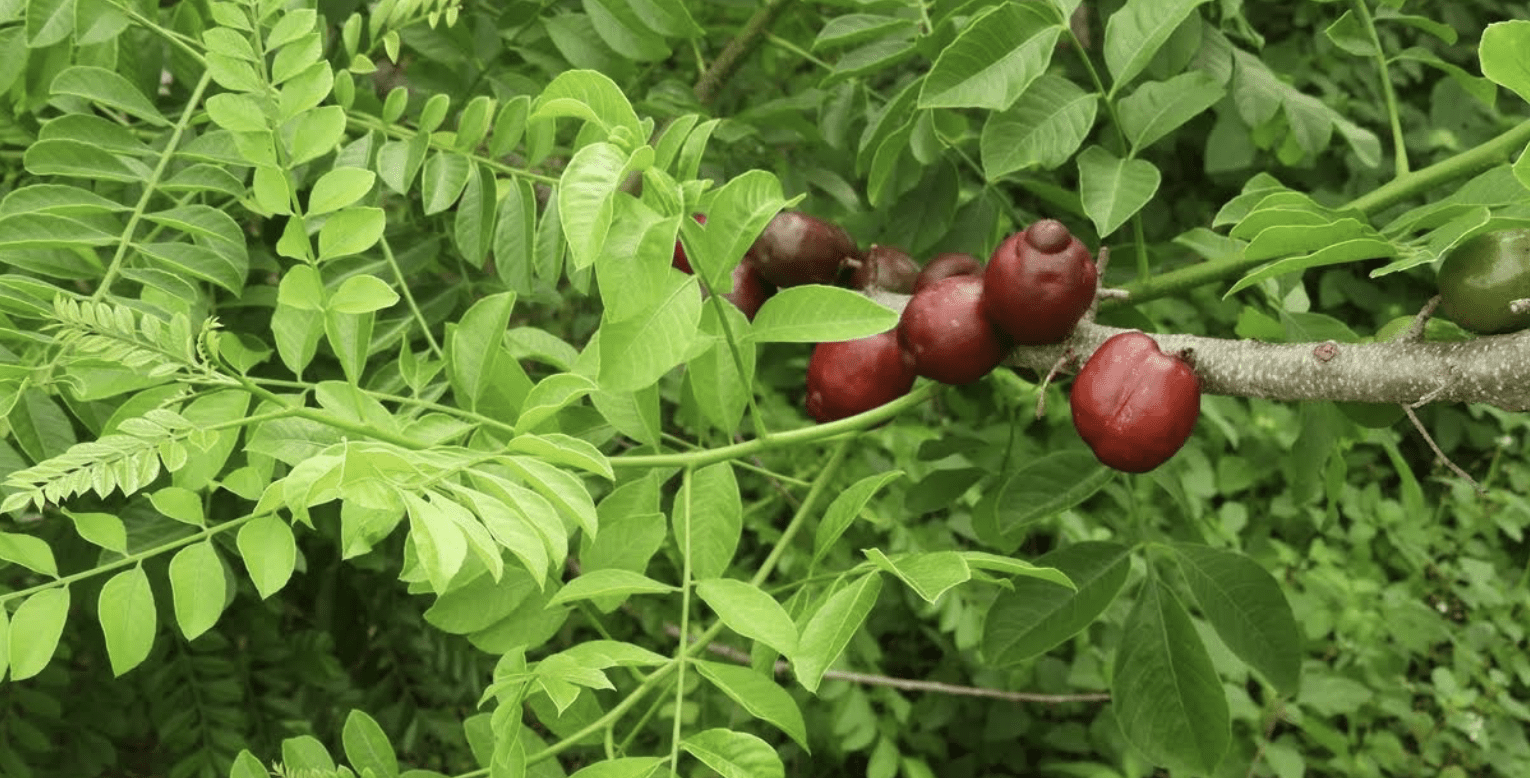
[338, 188]
[1010, 566]
[750, 612]
[1167, 697]
[315, 133]
[1136, 32]
[1042, 129]
[362, 294]
[929, 574]
[180, 504]
[1040, 489]
[515, 236]
[1114, 189]
[269, 551]
[589, 95]
[1036, 615]
[1502, 53]
[846, 506]
[1245, 605]
[198, 262]
[48, 22]
[64, 157]
[102, 529]
[107, 88]
[128, 619]
[636, 352]
[758, 695]
[608, 583]
[198, 586]
[1356, 250]
[814, 313]
[473, 223]
[367, 747]
[438, 541]
[35, 630]
[1282, 239]
[585, 199]
[350, 231]
[992, 61]
[826, 634]
[738, 214]
[857, 28]
[442, 180]
[711, 536]
[30, 552]
[549, 396]
[617, 24]
[735, 754]
[1158, 108]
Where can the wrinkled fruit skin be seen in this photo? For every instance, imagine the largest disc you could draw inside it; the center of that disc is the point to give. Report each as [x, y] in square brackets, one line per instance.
[946, 265]
[1038, 284]
[886, 268]
[798, 249]
[681, 261]
[944, 330]
[853, 376]
[750, 291]
[1482, 276]
[1133, 404]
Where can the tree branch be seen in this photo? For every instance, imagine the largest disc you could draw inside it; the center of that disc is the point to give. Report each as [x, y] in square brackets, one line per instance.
[711, 82]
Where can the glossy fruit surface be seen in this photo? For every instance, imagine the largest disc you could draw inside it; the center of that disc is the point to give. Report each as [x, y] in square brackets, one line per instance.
[750, 291]
[1038, 284]
[887, 268]
[1482, 276]
[1133, 404]
[944, 330]
[796, 249]
[945, 265]
[681, 261]
[853, 376]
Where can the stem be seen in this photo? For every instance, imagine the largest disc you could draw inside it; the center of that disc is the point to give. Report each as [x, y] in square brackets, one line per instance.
[685, 615]
[1391, 193]
[830, 469]
[1363, 13]
[716, 301]
[722, 69]
[786, 439]
[403, 288]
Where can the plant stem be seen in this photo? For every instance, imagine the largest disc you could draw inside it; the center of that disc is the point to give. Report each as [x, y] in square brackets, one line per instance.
[786, 439]
[1400, 149]
[732, 55]
[830, 469]
[685, 614]
[1389, 194]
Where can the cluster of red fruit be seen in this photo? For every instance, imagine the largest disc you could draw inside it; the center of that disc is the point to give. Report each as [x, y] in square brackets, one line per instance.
[1133, 404]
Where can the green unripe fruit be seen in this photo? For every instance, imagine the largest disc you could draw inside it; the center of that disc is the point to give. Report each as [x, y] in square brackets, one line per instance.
[1482, 276]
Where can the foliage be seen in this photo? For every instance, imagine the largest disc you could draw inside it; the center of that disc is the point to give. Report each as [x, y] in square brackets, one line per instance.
[358, 424]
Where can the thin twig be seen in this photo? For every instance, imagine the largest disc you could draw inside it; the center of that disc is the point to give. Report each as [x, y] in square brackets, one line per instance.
[732, 55]
[1415, 331]
[1413, 417]
[933, 687]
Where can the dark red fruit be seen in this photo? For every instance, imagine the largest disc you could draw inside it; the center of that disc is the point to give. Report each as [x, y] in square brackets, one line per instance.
[1133, 404]
[798, 249]
[1038, 284]
[853, 376]
[944, 330]
[886, 268]
[750, 291]
[946, 265]
[681, 261]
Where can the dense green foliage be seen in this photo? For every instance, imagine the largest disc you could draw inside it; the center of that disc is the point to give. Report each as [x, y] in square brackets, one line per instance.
[356, 421]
